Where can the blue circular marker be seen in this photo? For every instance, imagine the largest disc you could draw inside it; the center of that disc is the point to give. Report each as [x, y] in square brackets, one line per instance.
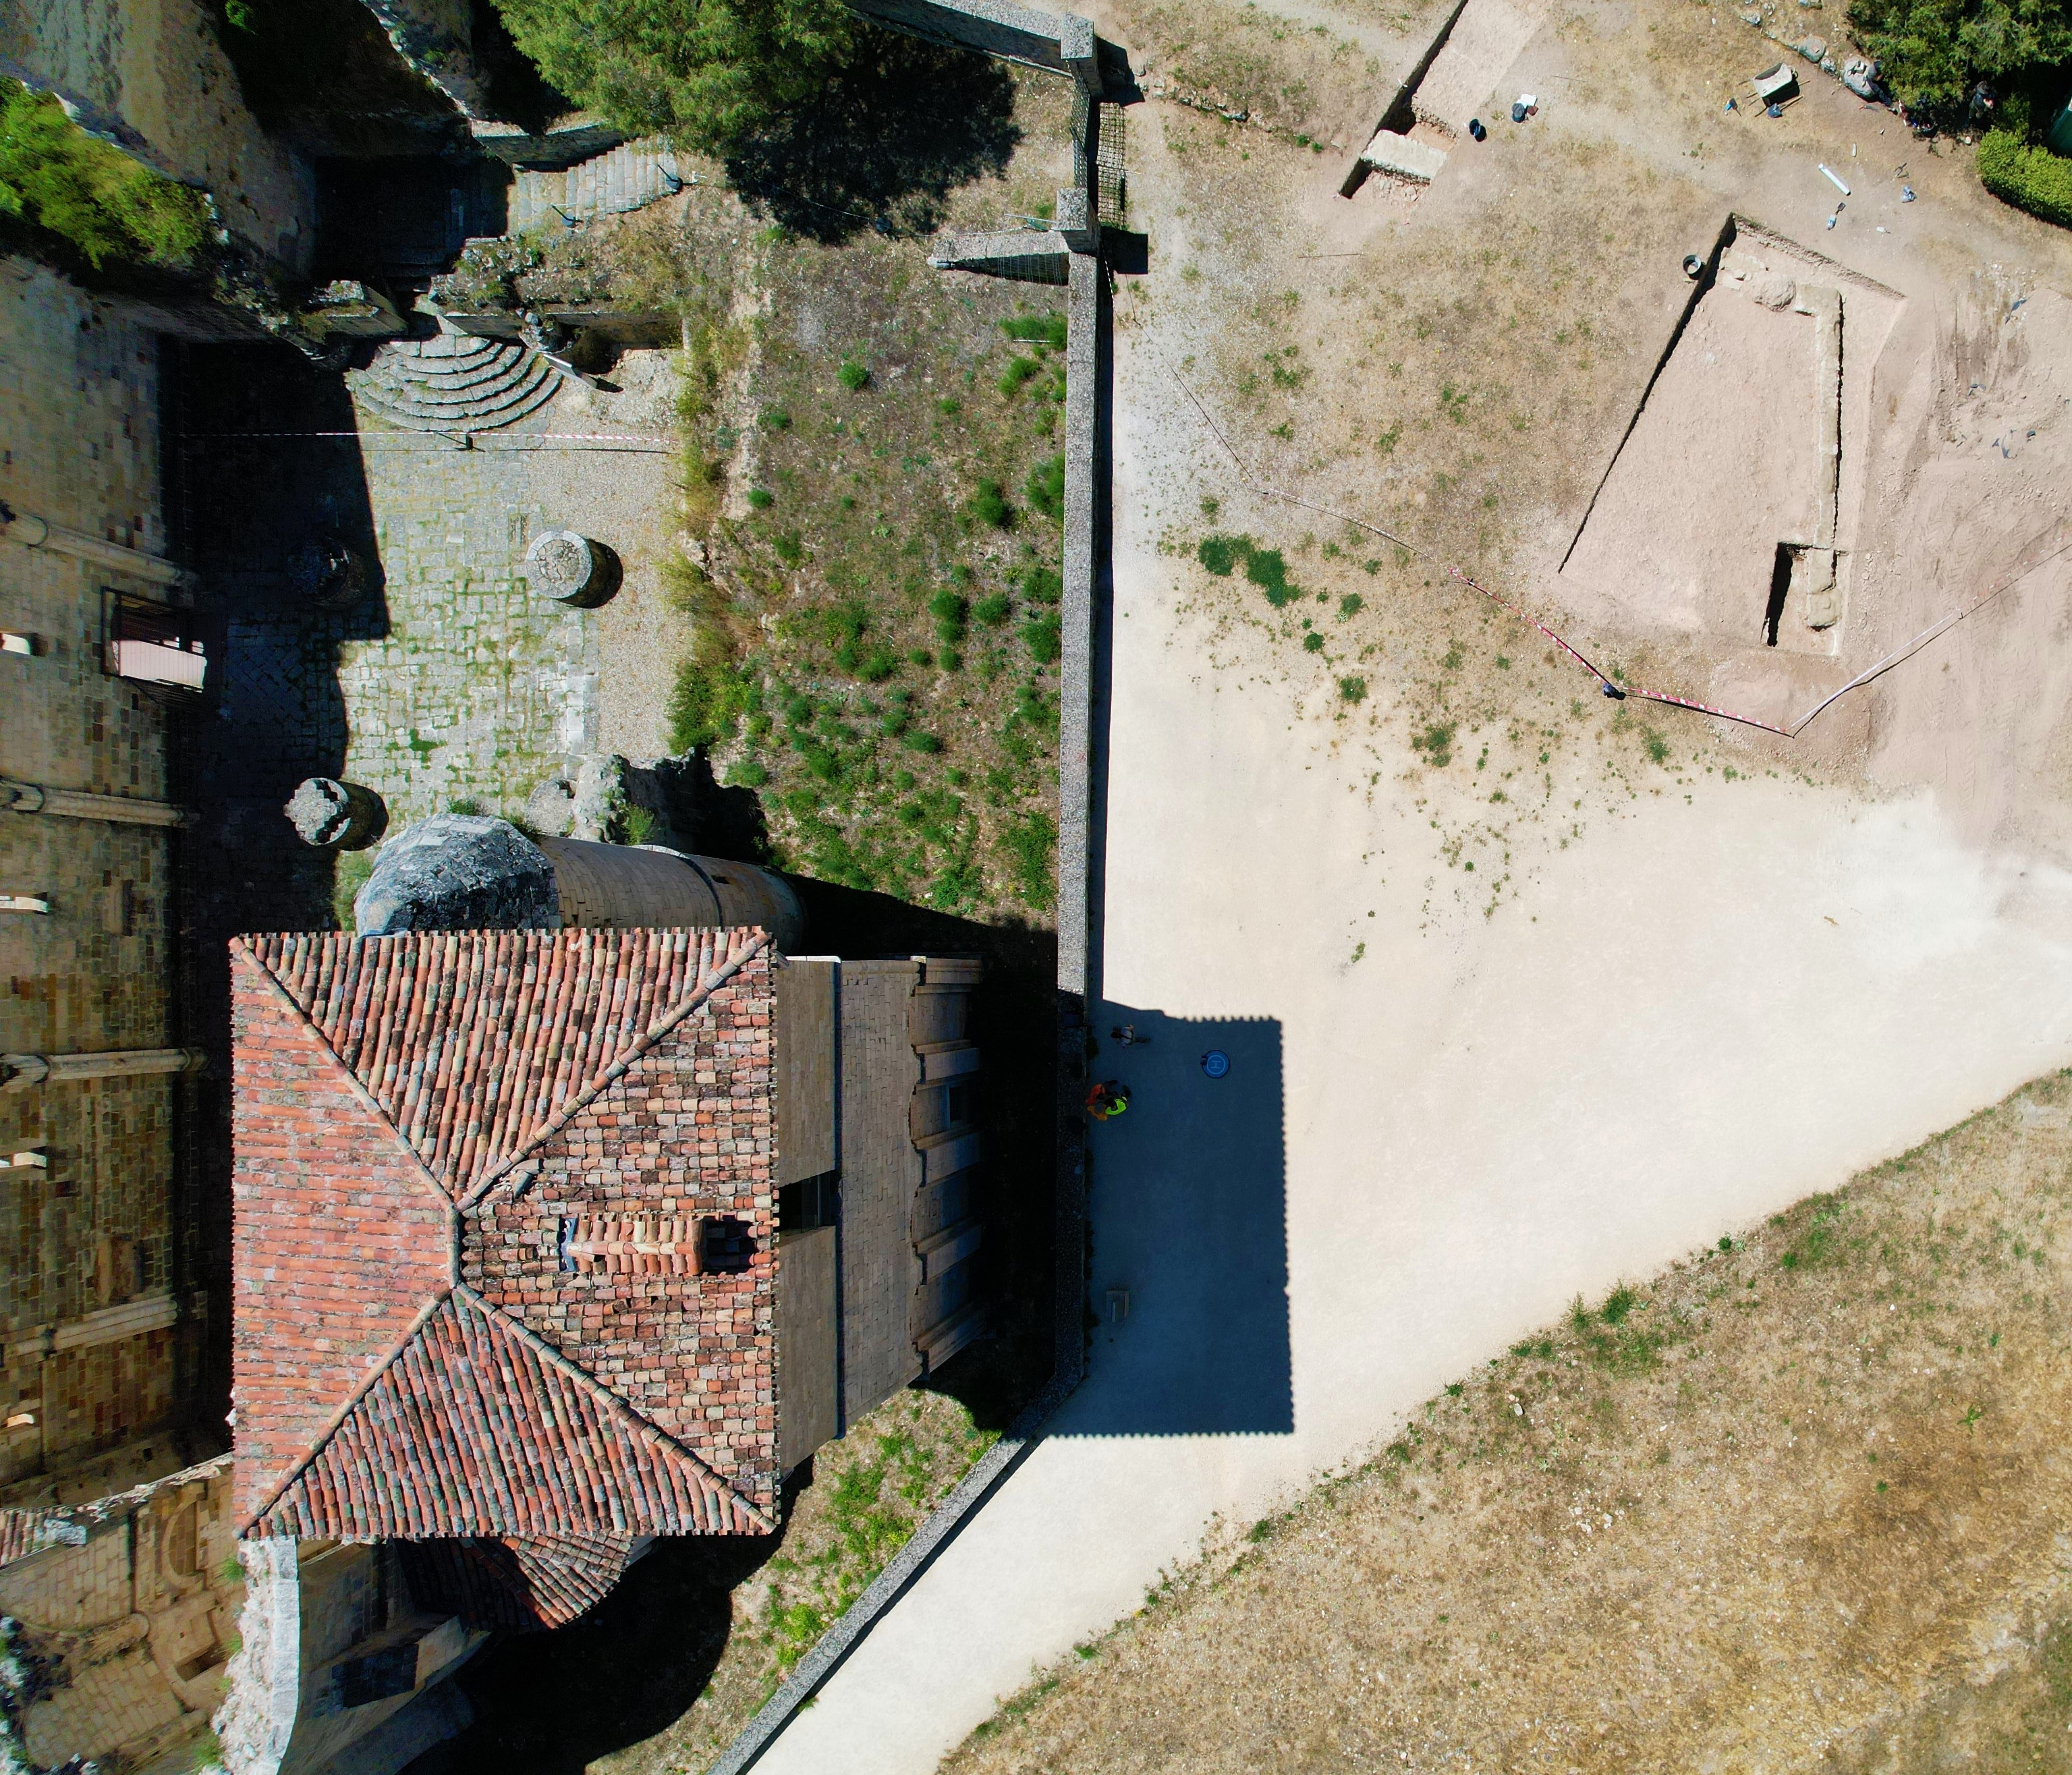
[1216, 1063]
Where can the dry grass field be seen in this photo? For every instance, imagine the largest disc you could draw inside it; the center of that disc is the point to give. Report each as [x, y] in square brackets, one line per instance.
[1798, 1502]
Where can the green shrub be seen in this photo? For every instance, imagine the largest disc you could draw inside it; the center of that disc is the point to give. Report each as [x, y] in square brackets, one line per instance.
[1043, 639]
[1046, 486]
[1312, 642]
[853, 376]
[1042, 585]
[774, 419]
[57, 177]
[993, 609]
[1353, 690]
[1019, 371]
[761, 498]
[1044, 329]
[1267, 570]
[1221, 554]
[790, 547]
[2032, 179]
[747, 774]
[1350, 605]
[989, 506]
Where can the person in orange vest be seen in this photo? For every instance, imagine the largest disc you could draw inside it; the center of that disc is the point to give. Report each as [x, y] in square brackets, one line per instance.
[1108, 1099]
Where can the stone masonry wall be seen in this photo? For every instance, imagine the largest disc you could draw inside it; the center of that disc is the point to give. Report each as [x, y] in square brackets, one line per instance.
[78, 396]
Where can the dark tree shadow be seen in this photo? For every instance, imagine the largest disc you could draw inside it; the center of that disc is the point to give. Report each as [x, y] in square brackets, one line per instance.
[884, 143]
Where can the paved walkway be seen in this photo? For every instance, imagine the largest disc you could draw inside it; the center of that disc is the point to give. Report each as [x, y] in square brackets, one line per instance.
[1698, 1015]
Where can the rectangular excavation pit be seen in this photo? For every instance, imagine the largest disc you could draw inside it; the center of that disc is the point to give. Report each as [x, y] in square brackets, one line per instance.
[1725, 510]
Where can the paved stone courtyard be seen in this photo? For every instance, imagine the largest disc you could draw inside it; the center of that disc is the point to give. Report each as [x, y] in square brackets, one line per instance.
[451, 683]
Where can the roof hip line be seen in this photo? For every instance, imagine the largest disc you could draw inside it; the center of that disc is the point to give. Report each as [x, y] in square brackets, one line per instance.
[650, 1433]
[706, 987]
[240, 950]
[379, 1367]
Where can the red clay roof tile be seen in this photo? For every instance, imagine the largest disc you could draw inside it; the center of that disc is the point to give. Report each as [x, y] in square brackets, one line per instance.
[384, 1089]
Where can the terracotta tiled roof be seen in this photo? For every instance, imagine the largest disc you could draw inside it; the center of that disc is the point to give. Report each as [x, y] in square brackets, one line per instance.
[420, 1120]
[519, 1583]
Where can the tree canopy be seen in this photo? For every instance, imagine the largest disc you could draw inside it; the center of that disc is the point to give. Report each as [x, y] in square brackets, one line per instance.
[707, 73]
[1932, 53]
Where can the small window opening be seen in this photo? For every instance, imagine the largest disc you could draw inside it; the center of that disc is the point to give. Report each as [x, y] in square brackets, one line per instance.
[808, 1204]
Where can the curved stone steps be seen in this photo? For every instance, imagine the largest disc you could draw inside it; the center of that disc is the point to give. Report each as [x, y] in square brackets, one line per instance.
[454, 382]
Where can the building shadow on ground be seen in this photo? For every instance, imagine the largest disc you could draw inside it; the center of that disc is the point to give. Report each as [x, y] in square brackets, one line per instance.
[262, 465]
[884, 143]
[651, 1646]
[1187, 1200]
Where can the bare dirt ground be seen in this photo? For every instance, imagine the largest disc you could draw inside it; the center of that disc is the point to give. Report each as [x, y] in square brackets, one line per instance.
[1795, 1502]
[1556, 985]
[1458, 372]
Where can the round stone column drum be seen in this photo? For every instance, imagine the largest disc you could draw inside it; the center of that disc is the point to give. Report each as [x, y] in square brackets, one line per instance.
[336, 816]
[571, 569]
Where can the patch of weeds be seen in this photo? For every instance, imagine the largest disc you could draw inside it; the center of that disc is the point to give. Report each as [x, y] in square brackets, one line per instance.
[1045, 489]
[1312, 642]
[1351, 606]
[1221, 555]
[1030, 842]
[1817, 1246]
[1287, 373]
[1267, 569]
[773, 419]
[1658, 747]
[1043, 637]
[1019, 373]
[993, 609]
[1435, 742]
[852, 375]
[1453, 659]
[349, 875]
[989, 504]
[1047, 328]
[1352, 690]
[761, 499]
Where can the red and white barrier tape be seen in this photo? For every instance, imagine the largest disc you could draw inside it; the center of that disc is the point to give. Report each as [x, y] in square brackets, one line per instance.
[1669, 697]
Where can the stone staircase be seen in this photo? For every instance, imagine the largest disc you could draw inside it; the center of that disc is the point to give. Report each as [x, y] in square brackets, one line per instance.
[630, 177]
[454, 382]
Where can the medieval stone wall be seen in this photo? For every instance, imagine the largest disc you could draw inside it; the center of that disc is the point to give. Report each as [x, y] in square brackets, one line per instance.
[91, 1231]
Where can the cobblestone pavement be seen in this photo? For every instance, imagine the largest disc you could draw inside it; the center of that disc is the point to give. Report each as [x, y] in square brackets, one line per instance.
[451, 682]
